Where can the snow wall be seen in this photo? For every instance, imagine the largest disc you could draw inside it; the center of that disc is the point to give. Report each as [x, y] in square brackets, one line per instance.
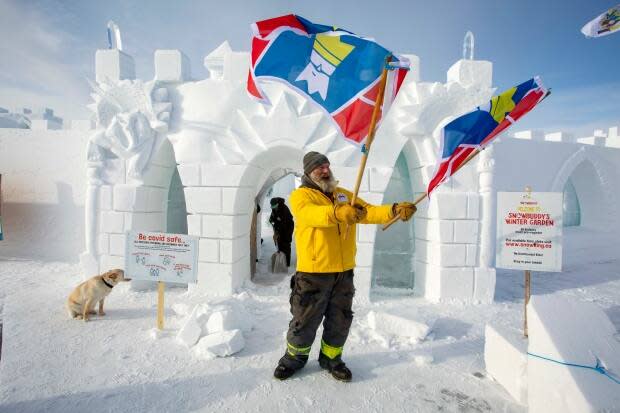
[43, 184]
[548, 162]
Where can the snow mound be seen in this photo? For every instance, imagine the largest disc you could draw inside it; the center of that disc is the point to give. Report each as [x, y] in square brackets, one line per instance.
[181, 309]
[242, 296]
[191, 330]
[570, 331]
[215, 320]
[156, 333]
[221, 344]
[423, 360]
[227, 320]
[397, 325]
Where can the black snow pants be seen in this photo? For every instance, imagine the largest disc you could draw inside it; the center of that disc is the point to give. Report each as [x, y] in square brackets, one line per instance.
[317, 297]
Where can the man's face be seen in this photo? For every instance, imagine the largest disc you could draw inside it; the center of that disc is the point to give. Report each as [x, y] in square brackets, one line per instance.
[323, 177]
[321, 172]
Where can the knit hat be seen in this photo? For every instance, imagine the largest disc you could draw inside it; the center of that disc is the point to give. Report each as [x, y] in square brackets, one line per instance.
[312, 160]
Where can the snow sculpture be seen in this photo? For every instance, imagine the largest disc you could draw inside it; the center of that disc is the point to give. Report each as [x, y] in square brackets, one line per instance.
[214, 61]
[468, 46]
[114, 32]
[132, 120]
[229, 150]
[126, 135]
[130, 125]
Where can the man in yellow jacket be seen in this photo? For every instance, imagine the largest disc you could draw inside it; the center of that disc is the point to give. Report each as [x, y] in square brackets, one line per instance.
[322, 288]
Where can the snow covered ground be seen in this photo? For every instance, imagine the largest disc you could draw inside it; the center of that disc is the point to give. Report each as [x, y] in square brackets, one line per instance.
[54, 364]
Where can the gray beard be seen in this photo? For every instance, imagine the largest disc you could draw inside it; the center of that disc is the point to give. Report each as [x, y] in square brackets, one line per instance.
[327, 185]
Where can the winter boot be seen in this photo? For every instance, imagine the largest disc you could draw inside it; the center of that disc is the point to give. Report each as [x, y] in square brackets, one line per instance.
[283, 372]
[336, 367]
[288, 365]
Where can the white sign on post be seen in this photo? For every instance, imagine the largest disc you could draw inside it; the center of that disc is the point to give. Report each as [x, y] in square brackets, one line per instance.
[529, 231]
[158, 256]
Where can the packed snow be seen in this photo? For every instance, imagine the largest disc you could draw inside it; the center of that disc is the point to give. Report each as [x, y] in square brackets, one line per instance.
[219, 354]
[505, 358]
[585, 337]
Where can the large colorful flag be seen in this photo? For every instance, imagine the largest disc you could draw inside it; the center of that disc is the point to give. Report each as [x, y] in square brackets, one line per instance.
[336, 69]
[476, 129]
[605, 24]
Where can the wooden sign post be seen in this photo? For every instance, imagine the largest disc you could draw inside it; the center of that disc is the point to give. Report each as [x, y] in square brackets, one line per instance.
[528, 290]
[160, 305]
[528, 279]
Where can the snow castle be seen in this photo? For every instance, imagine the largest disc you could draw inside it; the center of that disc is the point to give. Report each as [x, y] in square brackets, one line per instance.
[182, 155]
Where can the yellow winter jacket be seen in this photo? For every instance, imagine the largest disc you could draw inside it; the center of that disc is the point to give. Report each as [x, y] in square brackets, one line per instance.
[319, 237]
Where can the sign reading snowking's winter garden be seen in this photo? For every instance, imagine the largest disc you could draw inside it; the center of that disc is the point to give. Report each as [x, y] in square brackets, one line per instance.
[529, 231]
[158, 256]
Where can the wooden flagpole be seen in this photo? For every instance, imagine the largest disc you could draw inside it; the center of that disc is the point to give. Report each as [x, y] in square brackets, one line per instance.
[425, 194]
[371, 133]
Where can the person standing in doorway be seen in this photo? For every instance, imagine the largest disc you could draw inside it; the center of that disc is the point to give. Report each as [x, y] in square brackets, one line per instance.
[322, 287]
[283, 227]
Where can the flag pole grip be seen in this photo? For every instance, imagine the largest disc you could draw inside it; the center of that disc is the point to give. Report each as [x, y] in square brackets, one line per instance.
[397, 217]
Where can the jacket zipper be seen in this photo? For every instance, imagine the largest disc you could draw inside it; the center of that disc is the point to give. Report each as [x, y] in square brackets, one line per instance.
[339, 234]
[339, 240]
[313, 245]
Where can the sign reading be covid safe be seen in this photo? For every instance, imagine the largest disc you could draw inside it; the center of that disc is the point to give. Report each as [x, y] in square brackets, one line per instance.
[529, 231]
[157, 256]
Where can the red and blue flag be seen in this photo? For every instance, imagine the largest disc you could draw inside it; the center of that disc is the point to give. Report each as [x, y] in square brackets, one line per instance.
[476, 129]
[338, 70]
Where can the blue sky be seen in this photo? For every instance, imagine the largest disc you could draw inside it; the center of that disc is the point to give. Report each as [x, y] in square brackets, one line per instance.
[48, 47]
